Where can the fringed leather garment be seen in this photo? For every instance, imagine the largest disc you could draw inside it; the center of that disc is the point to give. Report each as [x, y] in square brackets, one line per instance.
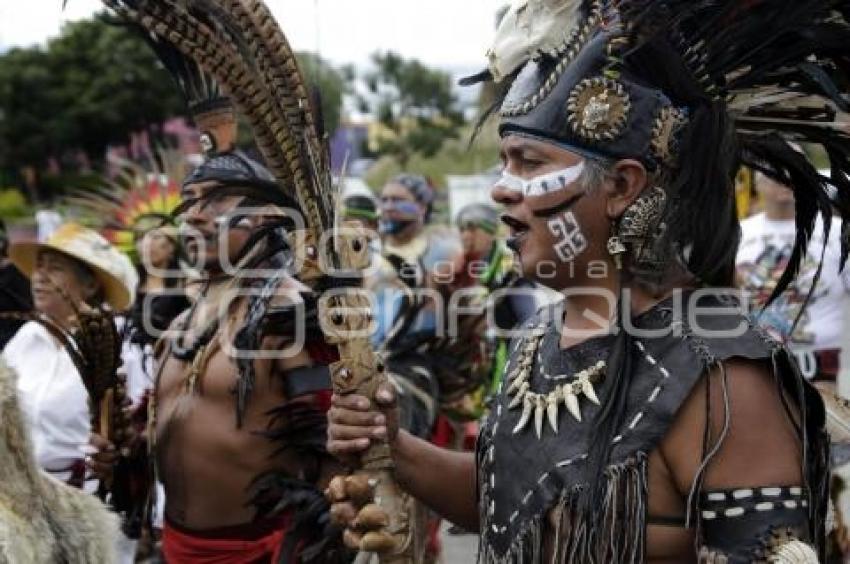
[522, 478]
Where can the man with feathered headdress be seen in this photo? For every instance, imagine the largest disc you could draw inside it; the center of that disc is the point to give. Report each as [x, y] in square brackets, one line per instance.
[644, 418]
[237, 420]
[237, 417]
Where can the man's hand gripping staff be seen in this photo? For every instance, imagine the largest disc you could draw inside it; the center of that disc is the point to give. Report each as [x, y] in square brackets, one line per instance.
[381, 523]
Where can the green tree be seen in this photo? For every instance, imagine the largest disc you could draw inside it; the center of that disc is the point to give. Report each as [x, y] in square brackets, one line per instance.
[93, 86]
[114, 85]
[330, 84]
[27, 108]
[414, 103]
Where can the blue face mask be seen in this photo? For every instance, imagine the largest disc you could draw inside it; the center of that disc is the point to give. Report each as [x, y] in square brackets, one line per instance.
[407, 208]
[392, 227]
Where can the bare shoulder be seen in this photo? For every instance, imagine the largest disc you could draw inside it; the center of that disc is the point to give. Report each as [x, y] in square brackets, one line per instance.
[743, 405]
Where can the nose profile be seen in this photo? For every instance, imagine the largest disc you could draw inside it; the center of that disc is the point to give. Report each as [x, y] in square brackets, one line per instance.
[505, 196]
[194, 214]
[38, 272]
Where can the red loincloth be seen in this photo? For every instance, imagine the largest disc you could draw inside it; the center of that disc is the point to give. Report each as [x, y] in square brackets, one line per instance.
[252, 543]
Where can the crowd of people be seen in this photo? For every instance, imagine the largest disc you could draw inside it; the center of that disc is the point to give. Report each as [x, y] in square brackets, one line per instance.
[442, 383]
[444, 379]
[600, 365]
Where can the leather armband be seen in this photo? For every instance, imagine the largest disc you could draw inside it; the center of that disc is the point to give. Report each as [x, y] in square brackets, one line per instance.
[306, 380]
[768, 524]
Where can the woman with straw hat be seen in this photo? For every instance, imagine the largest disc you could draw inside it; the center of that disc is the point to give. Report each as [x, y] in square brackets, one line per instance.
[75, 266]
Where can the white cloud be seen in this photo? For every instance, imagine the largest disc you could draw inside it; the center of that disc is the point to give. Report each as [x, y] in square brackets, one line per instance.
[445, 33]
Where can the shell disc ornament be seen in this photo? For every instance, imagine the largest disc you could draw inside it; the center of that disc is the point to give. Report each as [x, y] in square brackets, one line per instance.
[598, 108]
[667, 125]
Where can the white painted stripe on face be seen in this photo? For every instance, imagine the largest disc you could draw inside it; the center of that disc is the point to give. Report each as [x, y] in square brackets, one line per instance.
[543, 184]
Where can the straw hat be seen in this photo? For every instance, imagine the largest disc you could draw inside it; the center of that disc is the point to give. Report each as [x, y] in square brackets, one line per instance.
[89, 247]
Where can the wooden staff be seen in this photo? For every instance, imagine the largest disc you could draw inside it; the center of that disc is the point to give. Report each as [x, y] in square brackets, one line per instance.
[385, 524]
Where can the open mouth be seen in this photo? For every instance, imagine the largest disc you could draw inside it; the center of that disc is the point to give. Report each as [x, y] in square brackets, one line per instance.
[519, 230]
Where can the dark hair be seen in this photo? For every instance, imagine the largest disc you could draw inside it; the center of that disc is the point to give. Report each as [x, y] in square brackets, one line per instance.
[87, 275]
[173, 265]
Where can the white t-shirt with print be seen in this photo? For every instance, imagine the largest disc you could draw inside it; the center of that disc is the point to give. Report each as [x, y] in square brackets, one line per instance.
[765, 250]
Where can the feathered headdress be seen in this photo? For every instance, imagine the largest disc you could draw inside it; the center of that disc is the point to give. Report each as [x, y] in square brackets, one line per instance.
[238, 45]
[227, 58]
[235, 49]
[137, 199]
[694, 89]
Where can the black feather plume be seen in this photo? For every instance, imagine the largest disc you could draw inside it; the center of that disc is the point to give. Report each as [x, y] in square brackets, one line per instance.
[756, 77]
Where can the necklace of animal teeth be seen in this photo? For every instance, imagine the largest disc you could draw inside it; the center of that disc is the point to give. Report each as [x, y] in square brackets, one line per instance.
[550, 403]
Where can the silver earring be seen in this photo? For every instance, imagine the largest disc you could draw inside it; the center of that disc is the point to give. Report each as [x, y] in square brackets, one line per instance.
[640, 224]
[615, 247]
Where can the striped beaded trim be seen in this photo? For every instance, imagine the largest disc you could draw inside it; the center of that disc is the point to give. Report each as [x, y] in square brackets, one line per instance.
[728, 504]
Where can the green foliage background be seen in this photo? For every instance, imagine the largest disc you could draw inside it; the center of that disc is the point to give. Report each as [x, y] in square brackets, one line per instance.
[92, 86]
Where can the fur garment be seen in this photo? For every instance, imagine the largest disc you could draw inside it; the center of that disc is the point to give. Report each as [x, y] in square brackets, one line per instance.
[41, 518]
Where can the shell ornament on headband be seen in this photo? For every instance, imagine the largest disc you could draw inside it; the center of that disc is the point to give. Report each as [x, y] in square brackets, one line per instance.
[598, 108]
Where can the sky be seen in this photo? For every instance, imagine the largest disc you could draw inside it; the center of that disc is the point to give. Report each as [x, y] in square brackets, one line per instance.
[451, 34]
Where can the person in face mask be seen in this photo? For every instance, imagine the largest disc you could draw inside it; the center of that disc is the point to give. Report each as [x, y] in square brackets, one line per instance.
[406, 203]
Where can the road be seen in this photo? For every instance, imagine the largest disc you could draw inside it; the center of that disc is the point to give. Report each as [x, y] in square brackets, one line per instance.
[458, 549]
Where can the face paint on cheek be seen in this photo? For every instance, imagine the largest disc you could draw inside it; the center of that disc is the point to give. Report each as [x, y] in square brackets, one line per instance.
[570, 241]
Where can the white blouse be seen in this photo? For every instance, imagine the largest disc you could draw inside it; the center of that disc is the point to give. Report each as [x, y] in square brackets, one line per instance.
[52, 396]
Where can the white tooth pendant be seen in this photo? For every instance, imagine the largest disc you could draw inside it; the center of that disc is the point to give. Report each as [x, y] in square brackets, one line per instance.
[553, 400]
[515, 373]
[589, 392]
[527, 408]
[539, 410]
[517, 382]
[547, 406]
[571, 401]
[520, 395]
